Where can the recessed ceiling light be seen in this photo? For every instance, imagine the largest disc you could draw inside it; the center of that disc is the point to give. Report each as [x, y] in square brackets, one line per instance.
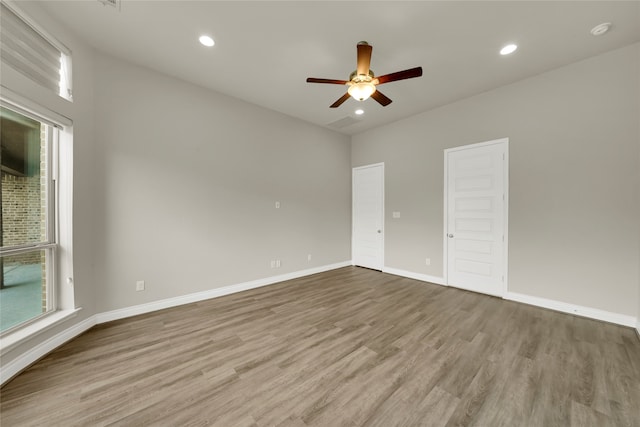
[359, 112]
[206, 41]
[599, 30]
[510, 48]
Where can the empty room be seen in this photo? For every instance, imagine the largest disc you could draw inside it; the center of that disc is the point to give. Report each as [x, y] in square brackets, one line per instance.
[314, 213]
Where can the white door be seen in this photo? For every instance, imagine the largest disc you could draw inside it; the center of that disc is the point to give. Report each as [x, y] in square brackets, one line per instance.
[476, 182]
[368, 216]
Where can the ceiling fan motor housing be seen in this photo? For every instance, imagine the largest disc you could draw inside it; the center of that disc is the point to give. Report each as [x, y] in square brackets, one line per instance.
[356, 78]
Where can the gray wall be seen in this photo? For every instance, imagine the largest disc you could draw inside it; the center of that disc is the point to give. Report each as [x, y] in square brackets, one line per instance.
[574, 173]
[187, 182]
[176, 185]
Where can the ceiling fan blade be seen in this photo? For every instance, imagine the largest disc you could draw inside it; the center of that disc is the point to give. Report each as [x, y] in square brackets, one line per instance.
[364, 58]
[400, 75]
[340, 101]
[331, 81]
[381, 98]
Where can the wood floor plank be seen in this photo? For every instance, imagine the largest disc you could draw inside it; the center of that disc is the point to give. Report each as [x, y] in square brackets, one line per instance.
[351, 347]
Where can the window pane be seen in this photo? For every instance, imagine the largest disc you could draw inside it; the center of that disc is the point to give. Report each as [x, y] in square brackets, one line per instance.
[23, 288]
[24, 180]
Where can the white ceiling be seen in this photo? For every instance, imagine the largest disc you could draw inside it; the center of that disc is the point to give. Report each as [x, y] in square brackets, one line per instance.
[266, 49]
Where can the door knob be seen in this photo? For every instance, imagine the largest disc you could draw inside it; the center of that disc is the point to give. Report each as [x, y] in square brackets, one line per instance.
[450, 235]
[379, 231]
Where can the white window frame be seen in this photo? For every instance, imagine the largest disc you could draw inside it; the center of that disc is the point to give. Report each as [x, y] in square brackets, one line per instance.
[60, 268]
[49, 244]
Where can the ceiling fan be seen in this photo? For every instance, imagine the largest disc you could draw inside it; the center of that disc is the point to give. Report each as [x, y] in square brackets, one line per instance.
[362, 82]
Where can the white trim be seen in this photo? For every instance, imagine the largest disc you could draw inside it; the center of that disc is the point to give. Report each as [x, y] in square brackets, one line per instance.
[14, 367]
[445, 240]
[592, 313]
[20, 363]
[384, 224]
[64, 218]
[445, 222]
[479, 144]
[417, 276]
[35, 328]
[211, 293]
[588, 312]
[20, 104]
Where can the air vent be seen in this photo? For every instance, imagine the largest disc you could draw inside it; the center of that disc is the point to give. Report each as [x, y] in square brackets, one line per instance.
[114, 3]
[343, 122]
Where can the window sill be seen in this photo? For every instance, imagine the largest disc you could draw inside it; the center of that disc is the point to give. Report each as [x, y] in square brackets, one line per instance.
[36, 328]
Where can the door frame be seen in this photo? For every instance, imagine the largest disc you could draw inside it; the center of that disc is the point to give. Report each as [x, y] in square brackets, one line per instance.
[505, 253]
[353, 210]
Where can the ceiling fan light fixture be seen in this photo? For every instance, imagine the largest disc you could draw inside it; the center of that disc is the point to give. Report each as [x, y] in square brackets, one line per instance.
[361, 90]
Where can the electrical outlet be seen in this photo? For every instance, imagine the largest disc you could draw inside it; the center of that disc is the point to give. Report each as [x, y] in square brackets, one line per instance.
[140, 285]
[273, 263]
[277, 263]
[427, 261]
[309, 257]
[277, 205]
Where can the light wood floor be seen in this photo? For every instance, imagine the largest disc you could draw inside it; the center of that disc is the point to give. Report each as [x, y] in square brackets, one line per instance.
[350, 347]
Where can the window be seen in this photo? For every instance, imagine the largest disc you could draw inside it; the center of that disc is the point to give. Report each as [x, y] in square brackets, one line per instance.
[28, 238]
[29, 49]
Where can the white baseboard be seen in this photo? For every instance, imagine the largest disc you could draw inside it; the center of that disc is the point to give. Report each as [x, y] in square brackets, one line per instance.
[416, 276]
[592, 313]
[14, 367]
[35, 328]
[9, 370]
[212, 293]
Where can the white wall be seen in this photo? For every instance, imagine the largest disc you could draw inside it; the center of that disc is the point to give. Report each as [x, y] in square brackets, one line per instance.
[187, 182]
[574, 172]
